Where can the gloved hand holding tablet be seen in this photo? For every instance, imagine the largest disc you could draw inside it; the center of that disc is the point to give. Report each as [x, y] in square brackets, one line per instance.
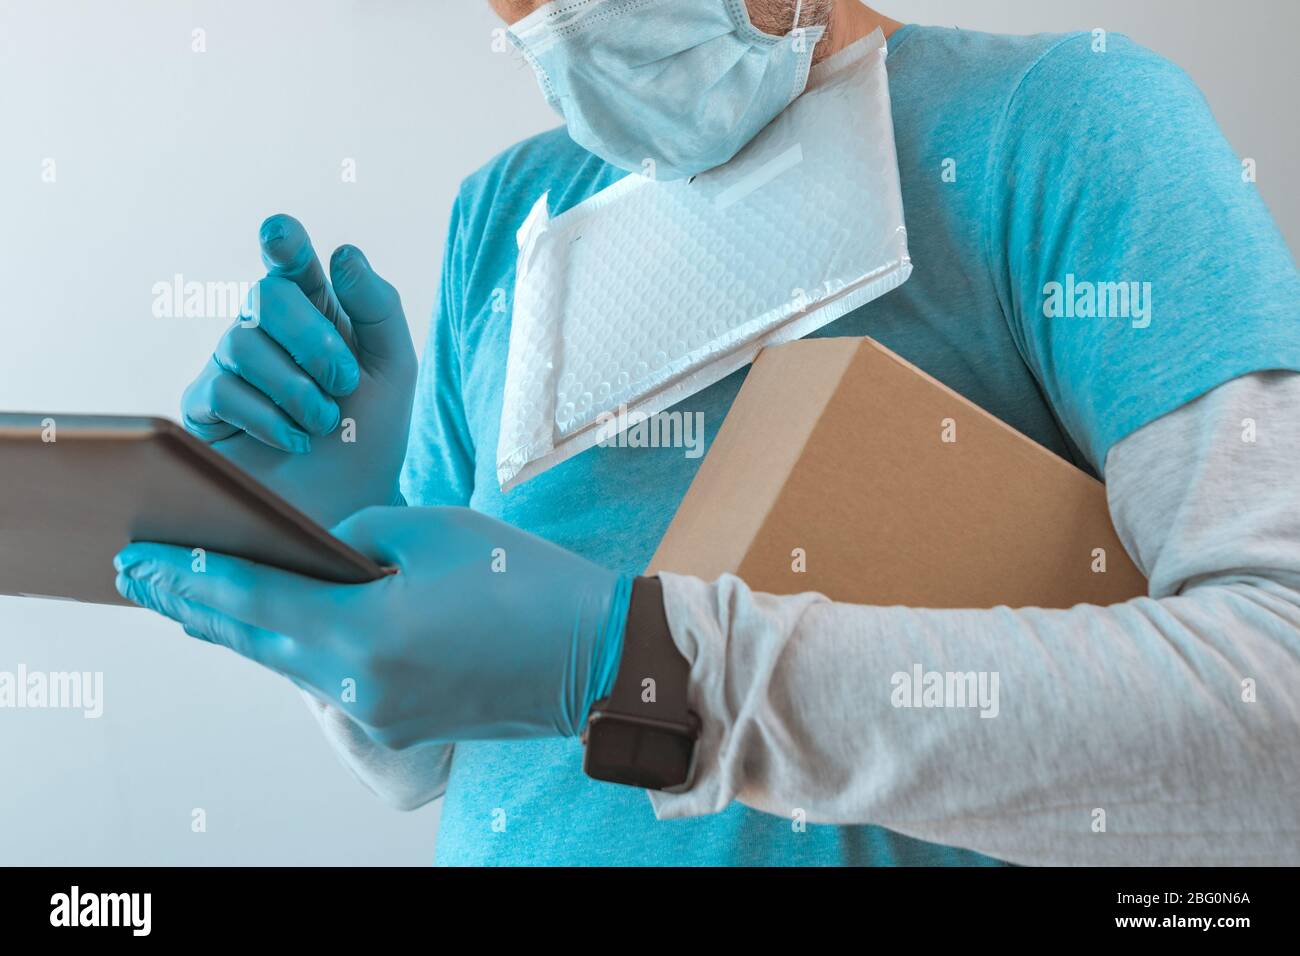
[479, 630]
[483, 632]
[305, 405]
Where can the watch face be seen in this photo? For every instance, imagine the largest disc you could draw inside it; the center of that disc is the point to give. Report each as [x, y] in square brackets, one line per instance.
[625, 750]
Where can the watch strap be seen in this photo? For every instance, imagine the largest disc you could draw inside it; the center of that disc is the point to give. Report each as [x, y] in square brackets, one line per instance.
[644, 733]
[650, 654]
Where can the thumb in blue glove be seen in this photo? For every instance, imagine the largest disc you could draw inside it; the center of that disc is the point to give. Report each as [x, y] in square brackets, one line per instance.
[484, 632]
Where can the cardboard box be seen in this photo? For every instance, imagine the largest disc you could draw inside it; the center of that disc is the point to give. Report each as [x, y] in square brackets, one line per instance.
[894, 489]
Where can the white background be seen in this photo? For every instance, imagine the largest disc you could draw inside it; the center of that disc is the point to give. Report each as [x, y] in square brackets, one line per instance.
[166, 161]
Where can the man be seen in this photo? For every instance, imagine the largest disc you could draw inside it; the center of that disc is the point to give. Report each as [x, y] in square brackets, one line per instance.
[1159, 731]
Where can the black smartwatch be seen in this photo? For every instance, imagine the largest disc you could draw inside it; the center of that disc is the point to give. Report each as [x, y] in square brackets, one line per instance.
[644, 734]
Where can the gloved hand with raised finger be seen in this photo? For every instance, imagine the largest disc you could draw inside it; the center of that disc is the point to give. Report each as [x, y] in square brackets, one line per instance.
[484, 632]
[311, 390]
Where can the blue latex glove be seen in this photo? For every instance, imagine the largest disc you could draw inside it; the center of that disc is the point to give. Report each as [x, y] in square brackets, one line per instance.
[314, 353]
[484, 632]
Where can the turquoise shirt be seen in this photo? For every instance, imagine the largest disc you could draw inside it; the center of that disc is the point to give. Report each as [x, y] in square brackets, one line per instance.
[1034, 169]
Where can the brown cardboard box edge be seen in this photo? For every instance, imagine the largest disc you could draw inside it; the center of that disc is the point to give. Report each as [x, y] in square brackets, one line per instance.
[830, 474]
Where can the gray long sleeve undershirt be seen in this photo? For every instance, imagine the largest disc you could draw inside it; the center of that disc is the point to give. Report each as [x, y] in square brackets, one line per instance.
[1173, 720]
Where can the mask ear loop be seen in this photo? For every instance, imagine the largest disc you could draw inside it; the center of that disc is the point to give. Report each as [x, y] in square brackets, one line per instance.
[798, 12]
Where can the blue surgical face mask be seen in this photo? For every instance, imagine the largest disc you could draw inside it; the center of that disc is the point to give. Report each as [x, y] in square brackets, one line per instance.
[668, 88]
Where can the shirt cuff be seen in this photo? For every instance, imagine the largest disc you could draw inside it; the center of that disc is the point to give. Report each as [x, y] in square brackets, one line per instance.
[700, 633]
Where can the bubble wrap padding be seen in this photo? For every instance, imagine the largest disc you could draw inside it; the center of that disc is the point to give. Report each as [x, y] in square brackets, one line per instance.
[649, 291]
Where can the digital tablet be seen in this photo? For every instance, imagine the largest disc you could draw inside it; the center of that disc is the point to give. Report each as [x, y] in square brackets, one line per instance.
[76, 489]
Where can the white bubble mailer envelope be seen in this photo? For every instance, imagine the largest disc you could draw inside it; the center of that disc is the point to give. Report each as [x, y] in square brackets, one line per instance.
[649, 291]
